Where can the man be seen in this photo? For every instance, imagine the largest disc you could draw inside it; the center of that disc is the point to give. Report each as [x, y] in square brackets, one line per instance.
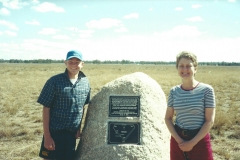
[63, 98]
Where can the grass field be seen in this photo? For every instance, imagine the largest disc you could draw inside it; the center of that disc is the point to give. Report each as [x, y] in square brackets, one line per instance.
[21, 117]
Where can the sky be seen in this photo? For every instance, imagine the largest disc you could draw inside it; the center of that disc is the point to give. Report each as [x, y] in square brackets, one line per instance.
[135, 30]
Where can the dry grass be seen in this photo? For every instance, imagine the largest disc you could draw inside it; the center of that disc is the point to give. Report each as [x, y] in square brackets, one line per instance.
[21, 122]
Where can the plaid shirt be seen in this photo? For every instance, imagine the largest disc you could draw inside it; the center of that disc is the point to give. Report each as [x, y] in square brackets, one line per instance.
[65, 100]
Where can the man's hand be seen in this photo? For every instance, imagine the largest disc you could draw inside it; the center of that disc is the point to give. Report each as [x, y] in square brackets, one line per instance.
[49, 143]
[78, 135]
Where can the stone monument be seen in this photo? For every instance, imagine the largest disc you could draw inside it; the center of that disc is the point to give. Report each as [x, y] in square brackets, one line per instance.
[125, 121]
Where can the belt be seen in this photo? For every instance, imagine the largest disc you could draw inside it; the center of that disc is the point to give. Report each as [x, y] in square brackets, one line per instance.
[186, 133]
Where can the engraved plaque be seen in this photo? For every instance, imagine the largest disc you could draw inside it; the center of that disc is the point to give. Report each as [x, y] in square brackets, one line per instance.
[124, 133]
[124, 106]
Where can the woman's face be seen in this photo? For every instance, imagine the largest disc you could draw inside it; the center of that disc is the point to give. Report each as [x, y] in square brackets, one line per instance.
[186, 68]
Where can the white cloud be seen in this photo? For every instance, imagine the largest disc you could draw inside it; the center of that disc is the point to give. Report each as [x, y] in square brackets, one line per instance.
[218, 50]
[35, 1]
[48, 31]
[195, 6]
[150, 9]
[13, 4]
[10, 25]
[33, 49]
[72, 28]
[132, 15]
[38, 43]
[64, 37]
[122, 29]
[181, 31]
[4, 11]
[33, 22]
[231, 0]
[195, 19]
[82, 33]
[85, 33]
[103, 23]
[10, 33]
[48, 7]
[142, 47]
[179, 9]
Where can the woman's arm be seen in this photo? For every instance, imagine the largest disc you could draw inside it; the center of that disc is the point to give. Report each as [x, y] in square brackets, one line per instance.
[169, 122]
[209, 120]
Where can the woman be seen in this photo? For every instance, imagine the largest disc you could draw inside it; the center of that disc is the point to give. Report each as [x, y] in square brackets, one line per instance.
[194, 105]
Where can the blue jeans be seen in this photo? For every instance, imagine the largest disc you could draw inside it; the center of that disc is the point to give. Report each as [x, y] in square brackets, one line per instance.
[65, 143]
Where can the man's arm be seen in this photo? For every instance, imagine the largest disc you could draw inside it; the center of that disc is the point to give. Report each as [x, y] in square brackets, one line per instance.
[79, 131]
[48, 141]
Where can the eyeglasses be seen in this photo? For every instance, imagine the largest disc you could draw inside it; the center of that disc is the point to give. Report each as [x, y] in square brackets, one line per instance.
[185, 67]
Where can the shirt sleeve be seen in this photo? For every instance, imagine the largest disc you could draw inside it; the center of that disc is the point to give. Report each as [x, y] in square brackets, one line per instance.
[47, 94]
[170, 99]
[209, 98]
[88, 97]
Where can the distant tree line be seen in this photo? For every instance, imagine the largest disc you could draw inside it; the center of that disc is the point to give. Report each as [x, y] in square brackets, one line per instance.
[31, 61]
[42, 61]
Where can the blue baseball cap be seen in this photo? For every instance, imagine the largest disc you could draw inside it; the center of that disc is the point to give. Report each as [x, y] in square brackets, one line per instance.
[74, 54]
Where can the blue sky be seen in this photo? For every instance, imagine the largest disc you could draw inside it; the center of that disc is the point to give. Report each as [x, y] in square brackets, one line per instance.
[136, 30]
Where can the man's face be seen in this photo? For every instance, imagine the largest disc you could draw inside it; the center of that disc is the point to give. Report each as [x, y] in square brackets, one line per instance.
[74, 65]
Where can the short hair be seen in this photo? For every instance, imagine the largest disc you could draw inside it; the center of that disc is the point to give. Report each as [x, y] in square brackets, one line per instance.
[187, 55]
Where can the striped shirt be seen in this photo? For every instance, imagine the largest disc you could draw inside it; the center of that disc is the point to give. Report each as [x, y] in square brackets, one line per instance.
[65, 100]
[190, 105]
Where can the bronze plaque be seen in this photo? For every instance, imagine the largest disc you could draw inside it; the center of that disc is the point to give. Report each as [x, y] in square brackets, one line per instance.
[124, 133]
[124, 106]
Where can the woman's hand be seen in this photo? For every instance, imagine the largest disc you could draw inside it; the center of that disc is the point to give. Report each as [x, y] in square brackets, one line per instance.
[186, 146]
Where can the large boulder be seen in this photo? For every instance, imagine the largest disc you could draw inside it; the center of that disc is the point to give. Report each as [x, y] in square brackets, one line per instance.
[154, 135]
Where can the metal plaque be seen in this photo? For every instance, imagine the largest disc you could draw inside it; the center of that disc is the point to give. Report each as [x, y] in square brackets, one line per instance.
[124, 106]
[124, 133]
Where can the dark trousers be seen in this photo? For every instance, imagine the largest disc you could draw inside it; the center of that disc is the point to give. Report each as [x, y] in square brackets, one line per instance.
[65, 143]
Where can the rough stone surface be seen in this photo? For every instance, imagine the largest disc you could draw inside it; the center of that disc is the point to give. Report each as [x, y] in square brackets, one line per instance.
[154, 134]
